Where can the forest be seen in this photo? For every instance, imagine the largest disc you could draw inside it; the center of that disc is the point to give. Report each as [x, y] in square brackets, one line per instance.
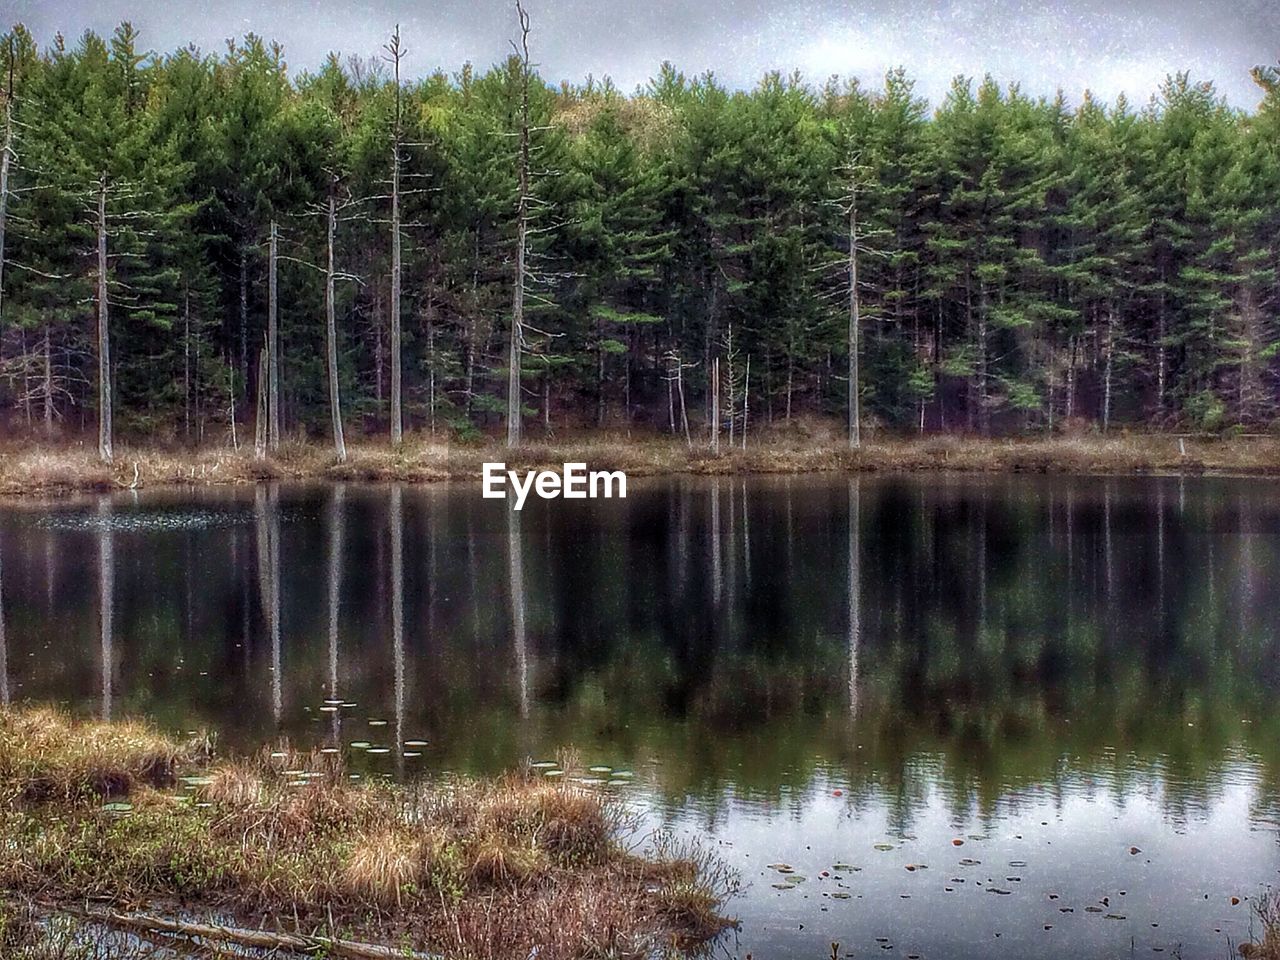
[213, 248]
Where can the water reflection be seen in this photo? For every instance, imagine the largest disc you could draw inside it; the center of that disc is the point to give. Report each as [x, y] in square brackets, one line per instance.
[4, 643]
[335, 522]
[855, 589]
[954, 656]
[106, 602]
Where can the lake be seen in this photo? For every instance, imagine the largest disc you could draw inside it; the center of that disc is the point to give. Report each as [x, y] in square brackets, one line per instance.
[940, 716]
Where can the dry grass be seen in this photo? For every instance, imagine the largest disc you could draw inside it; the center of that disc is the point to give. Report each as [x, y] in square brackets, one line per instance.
[467, 868]
[47, 755]
[802, 448]
[1267, 910]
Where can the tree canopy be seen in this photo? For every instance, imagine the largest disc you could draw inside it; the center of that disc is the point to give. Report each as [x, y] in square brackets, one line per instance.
[1025, 263]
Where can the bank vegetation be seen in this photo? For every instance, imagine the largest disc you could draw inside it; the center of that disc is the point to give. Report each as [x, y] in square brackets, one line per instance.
[116, 834]
[28, 469]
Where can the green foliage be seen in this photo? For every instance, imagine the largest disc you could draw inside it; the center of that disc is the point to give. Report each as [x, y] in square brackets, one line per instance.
[1018, 258]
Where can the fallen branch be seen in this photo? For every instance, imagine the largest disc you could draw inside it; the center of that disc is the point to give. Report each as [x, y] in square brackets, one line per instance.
[297, 943]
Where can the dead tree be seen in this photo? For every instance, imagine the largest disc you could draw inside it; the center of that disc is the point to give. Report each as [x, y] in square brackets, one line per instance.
[675, 391]
[260, 419]
[6, 160]
[273, 341]
[522, 238]
[331, 337]
[856, 239]
[715, 405]
[104, 333]
[855, 322]
[395, 53]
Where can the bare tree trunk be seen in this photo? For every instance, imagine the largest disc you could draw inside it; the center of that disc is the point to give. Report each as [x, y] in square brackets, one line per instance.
[984, 407]
[186, 363]
[26, 374]
[729, 358]
[1071, 379]
[48, 386]
[855, 324]
[546, 400]
[273, 344]
[791, 375]
[260, 420]
[684, 412]
[331, 341]
[378, 351]
[431, 364]
[231, 401]
[671, 401]
[244, 320]
[715, 405]
[1106, 378]
[522, 232]
[1162, 363]
[6, 158]
[746, 382]
[104, 333]
[397, 412]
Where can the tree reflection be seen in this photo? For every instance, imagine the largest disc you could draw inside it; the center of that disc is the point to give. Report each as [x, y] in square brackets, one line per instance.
[988, 636]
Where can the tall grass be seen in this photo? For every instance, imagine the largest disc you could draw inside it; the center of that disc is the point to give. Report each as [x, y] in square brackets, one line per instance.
[467, 868]
[25, 470]
[47, 755]
[1267, 946]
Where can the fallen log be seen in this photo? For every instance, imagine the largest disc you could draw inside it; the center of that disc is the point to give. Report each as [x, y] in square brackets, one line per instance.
[297, 943]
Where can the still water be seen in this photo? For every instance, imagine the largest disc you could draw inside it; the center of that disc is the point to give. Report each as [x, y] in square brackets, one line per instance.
[943, 717]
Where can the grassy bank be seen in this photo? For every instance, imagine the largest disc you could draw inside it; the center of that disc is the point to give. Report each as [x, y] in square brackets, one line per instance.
[1267, 944]
[285, 843]
[36, 469]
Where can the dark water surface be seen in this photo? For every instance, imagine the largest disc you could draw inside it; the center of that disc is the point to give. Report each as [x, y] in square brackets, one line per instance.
[808, 671]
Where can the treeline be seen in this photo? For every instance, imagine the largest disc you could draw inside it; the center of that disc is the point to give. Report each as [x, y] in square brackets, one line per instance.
[213, 247]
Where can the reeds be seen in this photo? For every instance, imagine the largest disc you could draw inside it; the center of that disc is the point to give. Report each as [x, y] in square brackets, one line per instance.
[27, 470]
[463, 867]
[1267, 946]
[47, 755]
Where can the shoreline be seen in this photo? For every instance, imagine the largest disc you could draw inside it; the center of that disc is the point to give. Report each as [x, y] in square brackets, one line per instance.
[125, 828]
[54, 469]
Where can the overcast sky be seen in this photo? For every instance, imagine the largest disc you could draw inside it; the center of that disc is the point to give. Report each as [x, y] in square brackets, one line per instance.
[1107, 45]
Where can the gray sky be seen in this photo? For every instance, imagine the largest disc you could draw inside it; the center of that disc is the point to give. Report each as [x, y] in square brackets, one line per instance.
[1106, 45]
